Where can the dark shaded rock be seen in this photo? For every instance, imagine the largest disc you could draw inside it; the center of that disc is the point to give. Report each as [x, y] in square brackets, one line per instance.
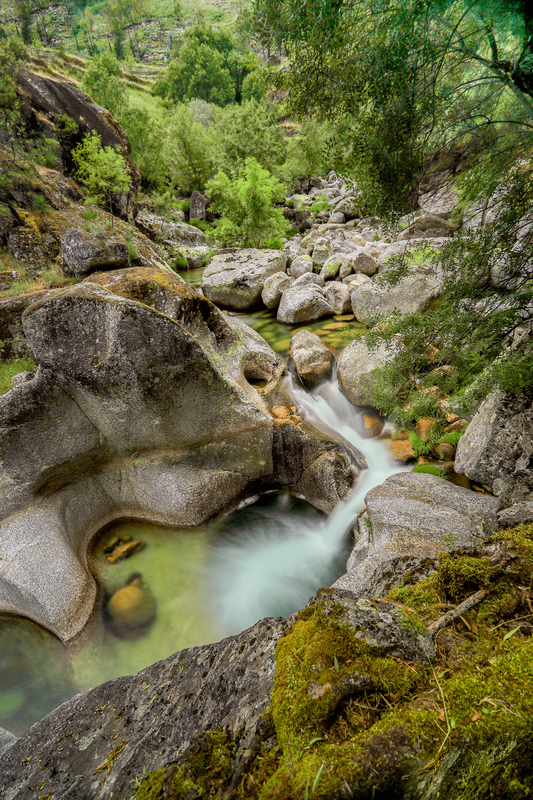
[25, 245]
[83, 252]
[47, 99]
[398, 572]
[11, 311]
[517, 514]
[497, 447]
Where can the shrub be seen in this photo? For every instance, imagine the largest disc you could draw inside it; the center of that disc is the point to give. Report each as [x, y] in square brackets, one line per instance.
[89, 214]
[132, 250]
[201, 224]
[249, 218]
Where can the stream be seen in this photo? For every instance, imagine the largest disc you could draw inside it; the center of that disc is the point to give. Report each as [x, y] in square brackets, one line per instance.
[265, 558]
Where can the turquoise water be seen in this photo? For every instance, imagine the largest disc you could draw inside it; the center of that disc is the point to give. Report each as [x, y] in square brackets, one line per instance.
[195, 586]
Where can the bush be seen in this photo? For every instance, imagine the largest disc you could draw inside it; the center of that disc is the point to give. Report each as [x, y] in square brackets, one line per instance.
[201, 224]
[249, 218]
[132, 250]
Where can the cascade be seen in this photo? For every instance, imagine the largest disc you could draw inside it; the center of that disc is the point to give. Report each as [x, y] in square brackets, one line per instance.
[274, 566]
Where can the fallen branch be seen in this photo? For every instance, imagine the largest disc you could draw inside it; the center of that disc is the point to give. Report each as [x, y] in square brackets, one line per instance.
[470, 602]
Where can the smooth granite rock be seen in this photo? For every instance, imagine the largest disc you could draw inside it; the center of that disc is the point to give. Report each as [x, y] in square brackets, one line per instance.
[355, 369]
[85, 252]
[235, 278]
[311, 358]
[303, 304]
[412, 294]
[417, 515]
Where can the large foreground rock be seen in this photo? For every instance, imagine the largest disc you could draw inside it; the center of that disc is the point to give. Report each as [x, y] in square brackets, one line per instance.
[105, 742]
[357, 367]
[144, 406]
[235, 278]
[497, 447]
[416, 515]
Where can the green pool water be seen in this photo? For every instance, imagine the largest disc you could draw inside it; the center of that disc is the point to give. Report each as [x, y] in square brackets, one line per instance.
[193, 576]
[335, 331]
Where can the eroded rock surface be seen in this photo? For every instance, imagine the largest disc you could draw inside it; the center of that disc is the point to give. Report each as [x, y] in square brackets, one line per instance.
[312, 359]
[355, 370]
[144, 406]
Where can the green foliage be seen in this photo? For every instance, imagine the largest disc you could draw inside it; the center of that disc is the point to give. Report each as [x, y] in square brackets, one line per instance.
[102, 170]
[306, 153]
[103, 82]
[451, 438]
[320, 204]
[201, 224]
[201, 111]
[429, 469]
[8, 369]
[480, 325]
[248, 131]
[207, 67]
[249, 218]
[186, 156]
[132, 250]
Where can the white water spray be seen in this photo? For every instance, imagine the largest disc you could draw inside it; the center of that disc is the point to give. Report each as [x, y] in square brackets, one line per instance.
[282, 559]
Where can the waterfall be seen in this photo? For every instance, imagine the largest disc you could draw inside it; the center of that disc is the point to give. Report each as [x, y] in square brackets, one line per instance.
[280, 559]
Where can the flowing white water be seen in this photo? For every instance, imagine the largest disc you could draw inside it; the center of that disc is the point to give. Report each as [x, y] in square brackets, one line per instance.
[281, 560]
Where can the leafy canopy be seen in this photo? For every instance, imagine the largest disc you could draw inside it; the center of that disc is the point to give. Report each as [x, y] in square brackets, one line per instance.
[101, 169]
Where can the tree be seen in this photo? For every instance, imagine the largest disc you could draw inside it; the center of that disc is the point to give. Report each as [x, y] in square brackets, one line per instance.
[187, 152]
[102, 170]
[248, 131]
[249, 218]
[406, 79]
[207, 66]
[198, 73]
[103, 81]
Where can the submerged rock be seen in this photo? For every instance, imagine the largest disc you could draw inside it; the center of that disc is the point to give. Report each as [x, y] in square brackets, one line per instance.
[144, 406]
[132, 608]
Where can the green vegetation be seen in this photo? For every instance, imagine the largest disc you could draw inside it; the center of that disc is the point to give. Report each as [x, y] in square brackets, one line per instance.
[12, 367]
[102, 170]
[249, 218]
[473, 702]
[429, 469]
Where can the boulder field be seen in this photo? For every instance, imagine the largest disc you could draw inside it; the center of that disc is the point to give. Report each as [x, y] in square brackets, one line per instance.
[149, 403]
